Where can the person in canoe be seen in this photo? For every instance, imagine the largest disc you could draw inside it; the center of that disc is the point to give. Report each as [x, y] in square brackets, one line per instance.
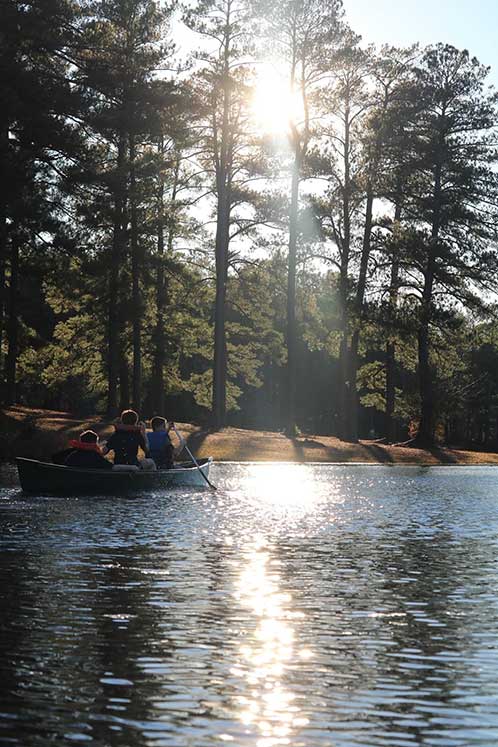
[129, 435]
[161, 450]
[86, 453]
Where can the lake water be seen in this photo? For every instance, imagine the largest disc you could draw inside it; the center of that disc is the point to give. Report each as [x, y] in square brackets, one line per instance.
[299, 605]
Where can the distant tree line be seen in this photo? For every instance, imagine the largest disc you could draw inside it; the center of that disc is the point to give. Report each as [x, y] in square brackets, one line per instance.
[160, 249]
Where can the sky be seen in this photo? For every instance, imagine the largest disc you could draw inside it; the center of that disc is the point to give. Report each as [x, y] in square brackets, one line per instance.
[467, 24]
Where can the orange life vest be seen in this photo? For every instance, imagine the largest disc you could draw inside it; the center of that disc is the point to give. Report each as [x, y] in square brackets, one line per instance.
[82, 446]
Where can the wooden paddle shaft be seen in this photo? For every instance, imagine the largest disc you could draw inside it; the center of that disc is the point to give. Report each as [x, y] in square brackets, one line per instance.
[184, 444]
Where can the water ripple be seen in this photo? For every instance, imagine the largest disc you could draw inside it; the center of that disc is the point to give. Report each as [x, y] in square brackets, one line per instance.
[299, 605]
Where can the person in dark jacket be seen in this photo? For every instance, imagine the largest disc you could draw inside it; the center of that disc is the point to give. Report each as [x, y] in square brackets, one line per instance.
[127, 438]
[86, 453]
[160, 447]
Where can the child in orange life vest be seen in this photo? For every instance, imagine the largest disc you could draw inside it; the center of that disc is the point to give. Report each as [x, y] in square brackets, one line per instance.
[160, 446]
[86, 453]
[128, 437]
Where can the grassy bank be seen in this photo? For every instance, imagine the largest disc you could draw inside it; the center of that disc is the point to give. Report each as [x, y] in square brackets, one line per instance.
[39, 433]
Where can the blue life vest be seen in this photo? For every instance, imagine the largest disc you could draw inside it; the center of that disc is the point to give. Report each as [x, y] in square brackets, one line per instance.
[158, 440]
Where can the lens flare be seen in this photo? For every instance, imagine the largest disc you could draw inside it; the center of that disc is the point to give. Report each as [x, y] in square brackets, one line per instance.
[275, 105]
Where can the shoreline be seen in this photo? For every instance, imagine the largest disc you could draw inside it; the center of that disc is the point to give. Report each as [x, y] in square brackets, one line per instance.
[359, 464]
[38, 433]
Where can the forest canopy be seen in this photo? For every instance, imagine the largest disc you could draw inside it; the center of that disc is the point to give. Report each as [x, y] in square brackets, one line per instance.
[236, 212]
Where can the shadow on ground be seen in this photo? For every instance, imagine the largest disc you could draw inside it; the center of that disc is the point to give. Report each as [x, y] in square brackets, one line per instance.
[194, 442]
[444, 456]
[378, 453]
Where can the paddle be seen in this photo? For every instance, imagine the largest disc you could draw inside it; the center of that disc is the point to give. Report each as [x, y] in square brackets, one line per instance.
[184, 444]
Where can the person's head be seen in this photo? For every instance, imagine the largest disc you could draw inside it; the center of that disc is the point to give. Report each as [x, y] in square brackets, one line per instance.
[158, 424]
[129, 417]
[89, 437]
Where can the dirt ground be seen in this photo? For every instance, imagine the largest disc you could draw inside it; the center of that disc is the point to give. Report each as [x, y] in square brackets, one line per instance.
[39, 433]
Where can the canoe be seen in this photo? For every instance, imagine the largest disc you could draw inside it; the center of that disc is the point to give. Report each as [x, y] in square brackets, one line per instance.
[55, 479]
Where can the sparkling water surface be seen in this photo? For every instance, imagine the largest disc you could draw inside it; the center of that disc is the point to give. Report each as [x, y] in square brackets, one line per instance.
[299, 605]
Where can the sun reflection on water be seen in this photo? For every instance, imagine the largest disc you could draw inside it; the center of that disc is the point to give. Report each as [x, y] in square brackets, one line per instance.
[269, 652]
[282, 486]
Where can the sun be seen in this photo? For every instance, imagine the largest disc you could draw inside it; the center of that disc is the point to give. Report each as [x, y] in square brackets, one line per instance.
[275, 106]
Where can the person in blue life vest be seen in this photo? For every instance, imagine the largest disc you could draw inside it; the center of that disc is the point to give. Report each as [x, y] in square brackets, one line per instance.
[129, 435]
[161, 450]
[86, 453]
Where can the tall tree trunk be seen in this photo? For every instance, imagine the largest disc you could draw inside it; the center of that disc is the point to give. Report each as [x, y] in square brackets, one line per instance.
[425, 435]
[124, 381]
[3, 253]
[487, 416]
[136, 269]
[344, 368]
[220, 348]
[4, 152]
[13, 324]
[162, 289]
[391, 344]
[117, 258]
[300, 137]
[224, 166]
[359, 306]
[159, 353]
[468, 426]
[391, 362]
[290, 424]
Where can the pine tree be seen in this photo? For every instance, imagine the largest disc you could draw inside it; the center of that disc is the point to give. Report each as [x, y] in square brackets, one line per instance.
[226, 149]
[454, 196]
[339, 158]
[37, 138]
[123, 47]
[306, 36]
